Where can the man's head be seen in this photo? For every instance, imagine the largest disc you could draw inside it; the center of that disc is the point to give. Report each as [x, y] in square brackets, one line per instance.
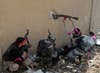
[20, 41]
[92, 35]
[76, 32]
[51, 37]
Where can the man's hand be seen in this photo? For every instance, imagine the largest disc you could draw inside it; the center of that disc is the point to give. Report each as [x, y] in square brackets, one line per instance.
[24, 55]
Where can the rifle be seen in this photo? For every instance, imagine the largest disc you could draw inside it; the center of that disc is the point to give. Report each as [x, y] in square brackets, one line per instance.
[26, 37]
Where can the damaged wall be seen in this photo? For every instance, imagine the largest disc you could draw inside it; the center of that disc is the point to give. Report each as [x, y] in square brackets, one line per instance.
[18, 15]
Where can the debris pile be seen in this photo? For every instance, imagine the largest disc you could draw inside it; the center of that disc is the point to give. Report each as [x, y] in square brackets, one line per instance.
[94, 64]
[87, 66]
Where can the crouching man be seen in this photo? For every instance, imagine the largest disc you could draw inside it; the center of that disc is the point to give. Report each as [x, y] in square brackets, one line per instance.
[16, 53]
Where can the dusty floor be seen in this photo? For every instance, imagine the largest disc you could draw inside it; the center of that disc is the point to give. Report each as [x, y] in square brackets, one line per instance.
[87, 66]
[94, 64]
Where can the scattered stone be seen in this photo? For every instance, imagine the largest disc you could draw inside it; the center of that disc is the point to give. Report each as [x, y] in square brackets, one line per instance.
[65, 72]
[74, 70]
[97, 65]
[87, 66]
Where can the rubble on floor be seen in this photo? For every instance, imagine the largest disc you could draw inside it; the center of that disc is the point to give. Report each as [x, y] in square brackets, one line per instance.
[94, 64]
[87, 66]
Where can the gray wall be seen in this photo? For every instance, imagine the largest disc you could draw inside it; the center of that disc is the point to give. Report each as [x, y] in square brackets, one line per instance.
[18, 15]
[95, 24]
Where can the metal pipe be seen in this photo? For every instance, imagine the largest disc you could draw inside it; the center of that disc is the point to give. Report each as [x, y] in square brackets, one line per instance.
[91, 13]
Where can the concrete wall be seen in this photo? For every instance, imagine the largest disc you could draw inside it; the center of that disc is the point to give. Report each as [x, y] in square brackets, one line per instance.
[95, 24]
[18, 15]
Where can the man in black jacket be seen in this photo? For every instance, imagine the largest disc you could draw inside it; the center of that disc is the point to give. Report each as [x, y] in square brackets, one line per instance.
[17, 52]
